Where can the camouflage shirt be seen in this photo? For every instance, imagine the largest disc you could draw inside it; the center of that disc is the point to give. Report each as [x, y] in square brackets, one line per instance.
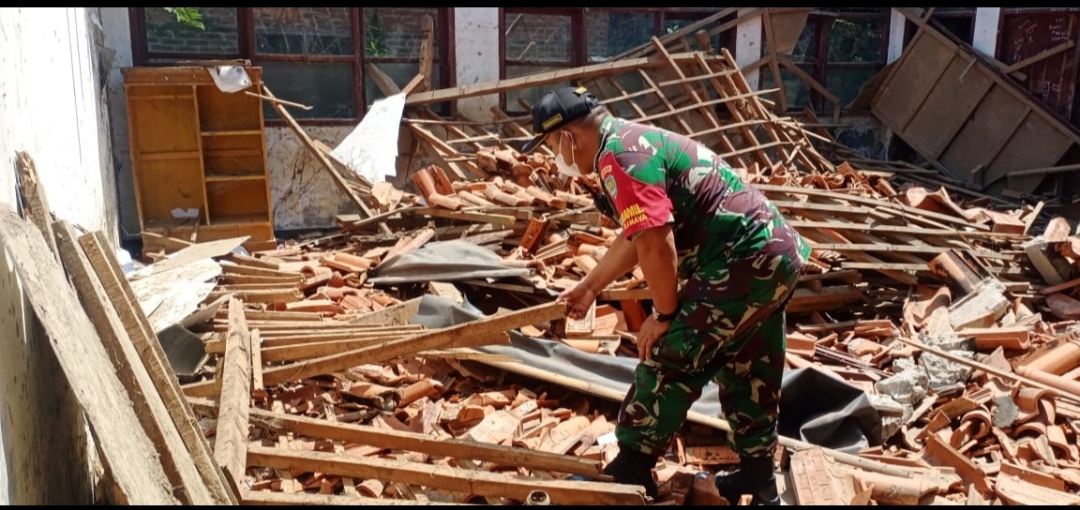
[653, 177]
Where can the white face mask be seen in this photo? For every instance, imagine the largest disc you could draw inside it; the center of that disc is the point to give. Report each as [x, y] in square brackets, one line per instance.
[567, 169]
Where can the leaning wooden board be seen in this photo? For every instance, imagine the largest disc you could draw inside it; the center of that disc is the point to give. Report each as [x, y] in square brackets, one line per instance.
[954, 108]
[129, 453]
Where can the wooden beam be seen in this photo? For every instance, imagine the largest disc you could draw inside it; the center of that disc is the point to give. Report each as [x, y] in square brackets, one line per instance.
[254, 498]
[230, 445]
[1039, 57]
[415, 442]
[480, 483]
[321, 157]
[533, 80]
[493, 328]
[85, 364]
[149, 407]
[142, 335]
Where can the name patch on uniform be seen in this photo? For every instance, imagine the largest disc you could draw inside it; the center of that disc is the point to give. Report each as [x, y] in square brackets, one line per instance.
[632, 216]
[552, 121]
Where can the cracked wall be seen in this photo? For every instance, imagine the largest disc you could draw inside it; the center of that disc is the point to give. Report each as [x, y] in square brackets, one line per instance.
[303, 193]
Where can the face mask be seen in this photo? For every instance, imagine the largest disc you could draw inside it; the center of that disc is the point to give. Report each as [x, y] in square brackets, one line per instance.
[566, 169]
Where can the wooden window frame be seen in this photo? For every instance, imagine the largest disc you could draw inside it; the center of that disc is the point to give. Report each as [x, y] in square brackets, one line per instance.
[246, 46]
[579, 34]
[818, 69]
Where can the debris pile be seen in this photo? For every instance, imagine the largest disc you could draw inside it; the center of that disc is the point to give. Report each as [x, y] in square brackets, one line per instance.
[304, 375]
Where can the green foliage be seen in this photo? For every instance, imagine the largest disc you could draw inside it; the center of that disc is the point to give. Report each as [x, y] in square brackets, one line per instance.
[375, 40]
[187, 15]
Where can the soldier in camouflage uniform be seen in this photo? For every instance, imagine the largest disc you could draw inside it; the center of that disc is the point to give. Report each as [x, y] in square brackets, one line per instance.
[674, 197]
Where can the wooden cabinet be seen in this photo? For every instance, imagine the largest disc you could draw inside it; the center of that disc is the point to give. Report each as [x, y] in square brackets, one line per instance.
[196, 147]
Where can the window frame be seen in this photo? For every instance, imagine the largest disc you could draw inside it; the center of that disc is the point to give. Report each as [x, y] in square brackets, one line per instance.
[819, 68]
[247, 50]
[579, 36]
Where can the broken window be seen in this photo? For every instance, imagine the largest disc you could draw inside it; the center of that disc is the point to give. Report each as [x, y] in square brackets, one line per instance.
[535, 43]
[613, 32]
[677, 20]
[306, 52]
[959, 21]
[165, 35]
[392, 42]
[840, 49]
[855, 52]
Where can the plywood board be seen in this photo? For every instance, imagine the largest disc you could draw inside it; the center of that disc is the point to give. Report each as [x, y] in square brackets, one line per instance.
[1035, 144]
[948, 106]
[993, 122]
[911, 82]
[129, 453]
[177, 462]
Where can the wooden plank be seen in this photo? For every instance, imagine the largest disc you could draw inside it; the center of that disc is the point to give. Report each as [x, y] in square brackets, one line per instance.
[480, 483]
[895, 229]
[138, 328]
[416, 442]
[34, 203]
[1035, 144]
[533, 80]
[128, 452]
[260, 498]
[199, 251]
[947, 108]
[773, 189]
[148, 405]
[991, 125]
[230, 445]
[490, 327]
[910, 82]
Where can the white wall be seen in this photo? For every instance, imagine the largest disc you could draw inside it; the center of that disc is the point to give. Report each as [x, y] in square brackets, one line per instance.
[748, 34]
[52, 106]
[987, 20]
[476, 53]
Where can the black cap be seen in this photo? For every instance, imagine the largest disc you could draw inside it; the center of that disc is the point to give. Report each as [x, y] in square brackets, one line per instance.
[558, 108]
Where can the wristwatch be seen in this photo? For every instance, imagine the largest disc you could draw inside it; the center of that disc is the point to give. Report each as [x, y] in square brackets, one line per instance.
[665, 317]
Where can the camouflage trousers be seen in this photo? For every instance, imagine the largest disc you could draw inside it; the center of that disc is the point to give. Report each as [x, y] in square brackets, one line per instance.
[736, 337]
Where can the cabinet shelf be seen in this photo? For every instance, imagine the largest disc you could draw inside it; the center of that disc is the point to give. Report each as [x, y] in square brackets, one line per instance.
[196, 147]
[233, 178]
[234, 132]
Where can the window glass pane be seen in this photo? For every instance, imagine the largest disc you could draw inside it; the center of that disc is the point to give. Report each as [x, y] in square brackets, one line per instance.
[805, 49]
[395, 32]
[612, 33]
[672, 24]
[165, 34]
[326, 87]
[614, 87]
[532, 94]
[960, 26]
[856, 40]
[537, 37]
[845, 82]
[798, 92]
[303, 30]
[402, 74]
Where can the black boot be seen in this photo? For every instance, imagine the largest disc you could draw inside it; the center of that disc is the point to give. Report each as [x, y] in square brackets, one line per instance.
[635, 468]
[631, 467]
[755, 477]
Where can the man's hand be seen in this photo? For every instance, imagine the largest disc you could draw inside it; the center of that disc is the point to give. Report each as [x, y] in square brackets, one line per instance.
[578, 300]
[651, 332]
